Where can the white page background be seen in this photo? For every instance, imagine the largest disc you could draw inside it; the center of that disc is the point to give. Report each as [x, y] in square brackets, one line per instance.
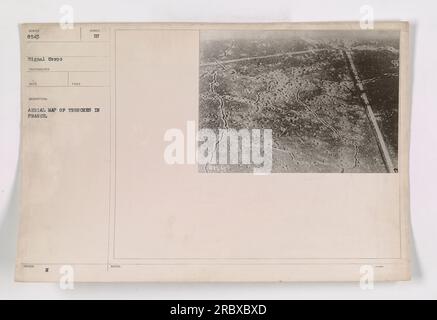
[421, 13]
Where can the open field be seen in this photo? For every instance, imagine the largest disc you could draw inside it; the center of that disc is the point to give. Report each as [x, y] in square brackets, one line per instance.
[300, 85]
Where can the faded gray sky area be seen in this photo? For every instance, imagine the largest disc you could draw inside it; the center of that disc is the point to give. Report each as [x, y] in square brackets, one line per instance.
[356, 35]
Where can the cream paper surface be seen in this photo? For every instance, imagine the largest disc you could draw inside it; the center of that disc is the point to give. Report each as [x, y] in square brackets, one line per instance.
[97, 195]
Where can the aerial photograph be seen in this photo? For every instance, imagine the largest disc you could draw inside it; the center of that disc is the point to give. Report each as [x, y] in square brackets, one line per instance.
[330, 98]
